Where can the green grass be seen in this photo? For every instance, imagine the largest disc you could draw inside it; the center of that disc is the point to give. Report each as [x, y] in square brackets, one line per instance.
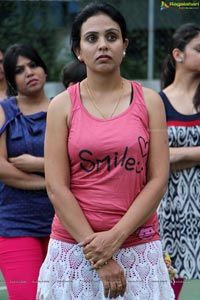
[3, 292]
[190, 290]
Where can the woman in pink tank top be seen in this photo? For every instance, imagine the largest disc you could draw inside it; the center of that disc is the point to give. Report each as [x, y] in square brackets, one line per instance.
[106, 166]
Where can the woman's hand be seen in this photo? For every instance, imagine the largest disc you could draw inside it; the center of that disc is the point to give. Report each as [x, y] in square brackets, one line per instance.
[28, 163]
[113, 279]
[100, 247]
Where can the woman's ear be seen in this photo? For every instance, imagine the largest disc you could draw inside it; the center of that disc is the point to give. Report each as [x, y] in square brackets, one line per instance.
[78, 55]
[178, 55]
[126, 42]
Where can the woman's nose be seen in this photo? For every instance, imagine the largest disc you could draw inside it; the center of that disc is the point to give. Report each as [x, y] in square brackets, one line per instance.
[29, 71]
[102, 43]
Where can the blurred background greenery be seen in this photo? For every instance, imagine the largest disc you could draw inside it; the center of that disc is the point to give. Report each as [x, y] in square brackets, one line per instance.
[47, 24]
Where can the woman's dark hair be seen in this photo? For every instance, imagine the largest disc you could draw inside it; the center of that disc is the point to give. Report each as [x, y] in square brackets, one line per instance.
[182, 36]
[73, 72]
[91, 10]
[10, 60]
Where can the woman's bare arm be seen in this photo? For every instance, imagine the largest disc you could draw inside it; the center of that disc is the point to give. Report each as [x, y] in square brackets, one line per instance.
[28, 163]
[57, 170]
[184, 158]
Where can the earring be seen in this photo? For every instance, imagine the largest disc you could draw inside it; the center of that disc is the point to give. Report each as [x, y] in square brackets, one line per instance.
[180, 60]
[79, 58]
[124, 53]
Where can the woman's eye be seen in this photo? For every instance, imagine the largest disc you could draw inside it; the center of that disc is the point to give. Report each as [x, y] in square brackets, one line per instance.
[33, 65]
[91, 38]
[19, 71]
[111, 37]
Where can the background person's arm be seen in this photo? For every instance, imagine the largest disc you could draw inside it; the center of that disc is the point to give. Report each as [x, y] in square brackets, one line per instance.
[184, 157]
[10, 174]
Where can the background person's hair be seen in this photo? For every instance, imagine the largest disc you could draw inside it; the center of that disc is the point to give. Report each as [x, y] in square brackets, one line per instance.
[91, 10]
[10, 60]
[182, 36]
[73, 72]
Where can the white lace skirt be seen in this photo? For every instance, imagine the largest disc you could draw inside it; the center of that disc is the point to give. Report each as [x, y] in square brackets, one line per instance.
[67, 275]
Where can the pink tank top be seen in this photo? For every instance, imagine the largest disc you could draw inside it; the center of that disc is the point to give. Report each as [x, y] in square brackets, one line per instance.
[108, 166]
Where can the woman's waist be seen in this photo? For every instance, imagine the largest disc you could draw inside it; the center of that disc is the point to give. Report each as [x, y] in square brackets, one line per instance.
[104, 222]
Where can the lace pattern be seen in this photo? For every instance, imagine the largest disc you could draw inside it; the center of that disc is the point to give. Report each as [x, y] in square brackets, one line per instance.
[67, 275]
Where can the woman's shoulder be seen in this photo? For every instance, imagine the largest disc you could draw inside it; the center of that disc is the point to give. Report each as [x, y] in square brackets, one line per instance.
[9, 102]
[152, 98]
[60, 106]
[8, 109]
[66, 99]
[60, 100]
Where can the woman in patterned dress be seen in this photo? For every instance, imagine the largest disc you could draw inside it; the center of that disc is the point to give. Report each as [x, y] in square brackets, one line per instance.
[179, 211]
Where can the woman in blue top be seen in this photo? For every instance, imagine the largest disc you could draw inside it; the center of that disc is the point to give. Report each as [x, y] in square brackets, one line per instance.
[25, 209]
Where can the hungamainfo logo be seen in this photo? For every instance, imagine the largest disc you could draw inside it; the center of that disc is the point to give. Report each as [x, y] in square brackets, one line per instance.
[180, 5]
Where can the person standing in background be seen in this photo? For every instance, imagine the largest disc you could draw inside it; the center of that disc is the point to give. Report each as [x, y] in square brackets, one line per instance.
[179, 210]
[3, 84]
[73, 72]
[104, 175]
[26, 212]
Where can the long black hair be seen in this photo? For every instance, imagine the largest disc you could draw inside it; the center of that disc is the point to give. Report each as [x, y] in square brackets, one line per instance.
[182, 36]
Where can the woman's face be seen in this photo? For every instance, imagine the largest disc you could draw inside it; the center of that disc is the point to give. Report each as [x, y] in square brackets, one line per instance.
[192, 55]
[29, 77]
[101, 44]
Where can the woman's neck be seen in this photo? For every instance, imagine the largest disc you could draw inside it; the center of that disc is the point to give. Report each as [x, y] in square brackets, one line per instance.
[104, 82]
[30, 104]
[187, 83]
[181, 93]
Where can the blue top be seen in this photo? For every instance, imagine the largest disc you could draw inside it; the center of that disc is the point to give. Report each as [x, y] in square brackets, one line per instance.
[176, 118]
[24, 212]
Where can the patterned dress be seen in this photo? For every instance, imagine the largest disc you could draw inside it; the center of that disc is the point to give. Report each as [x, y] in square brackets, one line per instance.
[179, 210]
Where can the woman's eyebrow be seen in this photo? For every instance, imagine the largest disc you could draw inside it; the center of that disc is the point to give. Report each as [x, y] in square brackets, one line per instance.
[97, 32]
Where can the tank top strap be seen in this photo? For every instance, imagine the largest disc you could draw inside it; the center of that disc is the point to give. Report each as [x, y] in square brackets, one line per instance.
[138, 96]
[74, 93]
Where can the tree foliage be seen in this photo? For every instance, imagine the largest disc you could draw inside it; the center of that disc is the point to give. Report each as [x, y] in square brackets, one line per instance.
[47, 24]
[22, 22]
